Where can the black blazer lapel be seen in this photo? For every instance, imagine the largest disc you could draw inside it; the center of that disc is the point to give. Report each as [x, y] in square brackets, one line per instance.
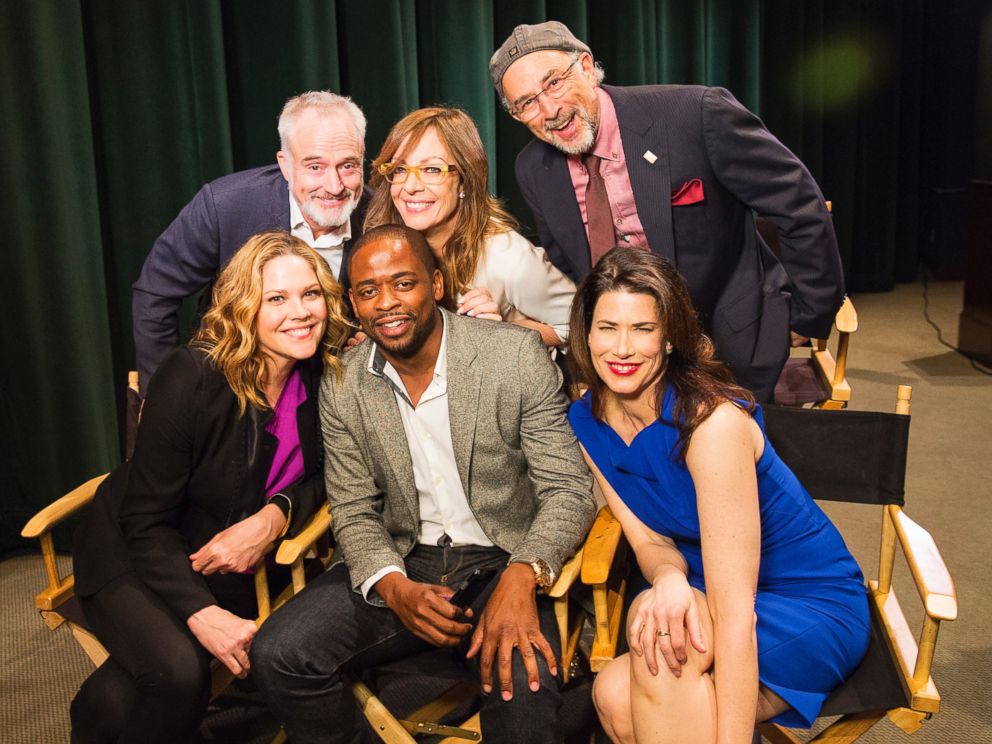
[260, 450]
[307, 425]
[279, 204]
[644, 136]
[564, 217]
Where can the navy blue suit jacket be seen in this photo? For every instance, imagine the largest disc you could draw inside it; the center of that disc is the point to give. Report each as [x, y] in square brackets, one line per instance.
[199, 243]
[747, 301]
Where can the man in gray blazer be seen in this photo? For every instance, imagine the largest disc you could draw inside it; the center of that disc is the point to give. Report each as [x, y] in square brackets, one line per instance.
[447, 450]
[314, 190]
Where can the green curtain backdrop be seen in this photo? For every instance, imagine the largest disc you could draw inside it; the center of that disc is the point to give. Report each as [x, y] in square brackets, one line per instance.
[116, 111]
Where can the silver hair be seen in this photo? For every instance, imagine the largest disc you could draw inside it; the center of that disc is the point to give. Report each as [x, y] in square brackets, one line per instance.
[325, 102]
[597, 68]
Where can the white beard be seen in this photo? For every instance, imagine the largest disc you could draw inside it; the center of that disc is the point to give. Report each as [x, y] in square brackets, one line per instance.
[587, 139]
[329, 218]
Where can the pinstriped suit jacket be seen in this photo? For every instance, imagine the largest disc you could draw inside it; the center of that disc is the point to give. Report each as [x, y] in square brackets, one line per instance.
[747, 301]
[518, 459]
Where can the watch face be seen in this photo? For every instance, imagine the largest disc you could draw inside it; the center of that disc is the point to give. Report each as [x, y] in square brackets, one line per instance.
[543, 574]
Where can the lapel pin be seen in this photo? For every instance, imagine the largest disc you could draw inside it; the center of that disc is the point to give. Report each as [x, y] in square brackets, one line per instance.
[650, 157]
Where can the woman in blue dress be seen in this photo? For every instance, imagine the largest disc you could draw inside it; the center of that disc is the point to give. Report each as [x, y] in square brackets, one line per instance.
[755, 609]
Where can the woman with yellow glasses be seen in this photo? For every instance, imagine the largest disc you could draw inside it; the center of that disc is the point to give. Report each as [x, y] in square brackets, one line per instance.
[431, 175]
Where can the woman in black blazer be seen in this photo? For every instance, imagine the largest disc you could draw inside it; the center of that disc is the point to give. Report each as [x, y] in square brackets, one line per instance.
[227, 459]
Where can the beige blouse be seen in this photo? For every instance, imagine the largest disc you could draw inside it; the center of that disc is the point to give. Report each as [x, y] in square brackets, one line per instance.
[524, 282]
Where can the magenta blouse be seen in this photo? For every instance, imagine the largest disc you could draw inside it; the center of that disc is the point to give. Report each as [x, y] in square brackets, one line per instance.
[287, 464]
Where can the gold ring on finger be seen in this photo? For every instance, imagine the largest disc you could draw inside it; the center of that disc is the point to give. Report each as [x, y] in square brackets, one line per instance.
[663, 633]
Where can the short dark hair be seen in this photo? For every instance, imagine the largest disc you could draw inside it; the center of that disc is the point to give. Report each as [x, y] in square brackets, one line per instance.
[414, 239]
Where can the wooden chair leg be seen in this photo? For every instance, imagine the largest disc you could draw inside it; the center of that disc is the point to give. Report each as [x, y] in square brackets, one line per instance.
[52, 619]
[93, 648]
[609, 609]
[833, 405]
[776, 734]
[383, 723]
[848, 728]
[907, 719]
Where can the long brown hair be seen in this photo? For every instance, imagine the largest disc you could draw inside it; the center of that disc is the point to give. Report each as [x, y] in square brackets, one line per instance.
[701, 382]
[480, 214]
[228, 332]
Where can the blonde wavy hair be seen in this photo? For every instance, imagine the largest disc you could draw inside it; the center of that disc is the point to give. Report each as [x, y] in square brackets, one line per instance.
[228, 331]
[480, 214]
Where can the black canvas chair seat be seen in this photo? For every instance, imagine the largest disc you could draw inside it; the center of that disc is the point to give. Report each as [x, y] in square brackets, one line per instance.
[800, 383]
[874, 685]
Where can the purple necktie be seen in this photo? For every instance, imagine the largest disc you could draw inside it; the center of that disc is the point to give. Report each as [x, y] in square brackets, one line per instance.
[602, 238]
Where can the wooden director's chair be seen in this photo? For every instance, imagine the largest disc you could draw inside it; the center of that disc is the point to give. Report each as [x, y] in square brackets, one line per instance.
[599, 566]
[819, 380]
[58, 604]
[860, 457]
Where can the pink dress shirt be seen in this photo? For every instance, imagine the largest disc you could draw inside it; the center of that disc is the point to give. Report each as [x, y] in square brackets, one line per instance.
[609, 148]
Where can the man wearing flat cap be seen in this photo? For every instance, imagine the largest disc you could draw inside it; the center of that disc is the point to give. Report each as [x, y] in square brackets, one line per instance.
[680, 170]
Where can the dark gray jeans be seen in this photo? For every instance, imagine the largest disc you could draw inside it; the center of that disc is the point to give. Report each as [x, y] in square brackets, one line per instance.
[300, 653]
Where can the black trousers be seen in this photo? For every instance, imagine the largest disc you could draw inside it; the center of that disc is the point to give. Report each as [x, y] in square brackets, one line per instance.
[155, 686]
[301, 653]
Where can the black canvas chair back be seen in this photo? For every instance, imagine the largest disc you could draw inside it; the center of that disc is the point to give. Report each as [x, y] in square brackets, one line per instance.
[849, 456]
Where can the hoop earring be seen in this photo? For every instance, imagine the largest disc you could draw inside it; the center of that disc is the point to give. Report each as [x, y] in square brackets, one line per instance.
[461, 194]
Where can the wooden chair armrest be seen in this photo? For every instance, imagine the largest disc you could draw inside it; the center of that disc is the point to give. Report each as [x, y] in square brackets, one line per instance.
[293, 548]
[933, 580]
[569, 573]
[846, 319]
[601, 547]
[61, 509]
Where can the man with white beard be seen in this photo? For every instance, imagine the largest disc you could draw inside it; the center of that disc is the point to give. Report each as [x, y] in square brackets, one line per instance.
[679, 170]
[314, 191]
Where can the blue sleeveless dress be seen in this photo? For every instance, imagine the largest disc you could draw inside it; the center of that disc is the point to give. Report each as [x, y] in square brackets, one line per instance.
[812, 609]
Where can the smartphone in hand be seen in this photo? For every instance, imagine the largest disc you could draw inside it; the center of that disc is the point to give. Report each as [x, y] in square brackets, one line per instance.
[469, 590]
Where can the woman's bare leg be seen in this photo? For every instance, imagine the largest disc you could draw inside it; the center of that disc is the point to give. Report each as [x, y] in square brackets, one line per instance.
[666, 708]
[769, 705]
[611, 694]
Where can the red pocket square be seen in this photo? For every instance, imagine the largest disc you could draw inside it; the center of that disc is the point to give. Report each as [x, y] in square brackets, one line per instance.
[690, 193]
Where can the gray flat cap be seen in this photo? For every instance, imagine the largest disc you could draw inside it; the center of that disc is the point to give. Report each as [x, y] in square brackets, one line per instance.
[526, 39]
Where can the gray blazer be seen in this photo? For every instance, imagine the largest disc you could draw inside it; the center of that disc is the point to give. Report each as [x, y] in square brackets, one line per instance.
[518, 458]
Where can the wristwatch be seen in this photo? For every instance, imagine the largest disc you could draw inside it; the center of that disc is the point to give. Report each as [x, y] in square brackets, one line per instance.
[543, 574]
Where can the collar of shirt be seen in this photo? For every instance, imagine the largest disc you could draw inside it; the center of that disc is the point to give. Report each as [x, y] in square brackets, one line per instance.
[380, 367]
[608, 145]
[302, 230]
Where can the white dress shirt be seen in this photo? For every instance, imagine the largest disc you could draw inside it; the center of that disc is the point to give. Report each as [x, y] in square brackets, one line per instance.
[444, 508]
[330, 245]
